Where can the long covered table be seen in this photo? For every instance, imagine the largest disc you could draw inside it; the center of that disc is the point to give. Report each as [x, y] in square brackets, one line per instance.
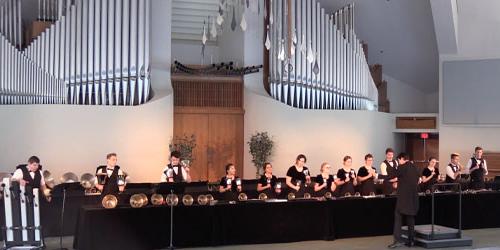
[268, 222]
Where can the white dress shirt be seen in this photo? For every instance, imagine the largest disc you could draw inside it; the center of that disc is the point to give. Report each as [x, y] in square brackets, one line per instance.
[18, 175]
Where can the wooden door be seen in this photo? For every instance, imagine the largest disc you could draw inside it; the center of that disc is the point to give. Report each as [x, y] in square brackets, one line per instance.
[194, 124]
[415, 148]
[225, 144]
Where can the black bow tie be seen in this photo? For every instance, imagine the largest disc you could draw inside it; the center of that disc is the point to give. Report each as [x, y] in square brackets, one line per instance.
[111, 169]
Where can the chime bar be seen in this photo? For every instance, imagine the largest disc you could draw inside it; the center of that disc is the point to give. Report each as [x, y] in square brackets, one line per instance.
[316, 60]
[95, 52]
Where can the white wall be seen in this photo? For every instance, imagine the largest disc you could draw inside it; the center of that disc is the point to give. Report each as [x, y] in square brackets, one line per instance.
[189, 52]
[77, 138]
[464, 138]
[404, 98]
[322, 135]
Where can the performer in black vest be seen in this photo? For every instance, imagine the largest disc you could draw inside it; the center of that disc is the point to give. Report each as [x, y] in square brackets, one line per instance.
[110, 179]
[268, 182]
[346, 178]
[430, 175]
[477, 169]
[453, 169]
[366, 176]
[386, 168]
[325, 182]
[174, 171]
[407, 199]
[30, 175]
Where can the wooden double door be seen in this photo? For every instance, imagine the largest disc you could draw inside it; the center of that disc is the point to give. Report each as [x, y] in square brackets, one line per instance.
[219, 139]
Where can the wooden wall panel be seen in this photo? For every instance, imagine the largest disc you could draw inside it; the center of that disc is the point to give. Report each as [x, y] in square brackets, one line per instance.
[493, 163]
[225, 144]
[415, 148]
[196, 124]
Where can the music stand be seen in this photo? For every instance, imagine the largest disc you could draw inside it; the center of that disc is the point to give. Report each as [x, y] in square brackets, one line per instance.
[60, 191]
[171, 188]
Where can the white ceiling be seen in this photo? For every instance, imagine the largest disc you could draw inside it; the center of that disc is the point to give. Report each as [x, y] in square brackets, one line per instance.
[400, 36]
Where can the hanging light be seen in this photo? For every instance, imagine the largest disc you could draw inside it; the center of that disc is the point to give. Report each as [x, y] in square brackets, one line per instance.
[268, 42]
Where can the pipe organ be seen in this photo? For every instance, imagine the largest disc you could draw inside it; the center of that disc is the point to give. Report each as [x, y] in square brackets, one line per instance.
[316, 60]
[95, 52]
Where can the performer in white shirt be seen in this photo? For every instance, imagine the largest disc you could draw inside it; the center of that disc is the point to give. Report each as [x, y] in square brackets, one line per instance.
[30, 175]
[477, 169]
[453, 170]
[110, 179]
[388, 166]
[175, 171]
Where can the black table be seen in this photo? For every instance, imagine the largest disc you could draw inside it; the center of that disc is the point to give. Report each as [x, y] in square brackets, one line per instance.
[259, 222]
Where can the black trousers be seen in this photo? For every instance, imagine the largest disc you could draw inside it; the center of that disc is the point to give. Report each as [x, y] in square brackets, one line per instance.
[398, 223]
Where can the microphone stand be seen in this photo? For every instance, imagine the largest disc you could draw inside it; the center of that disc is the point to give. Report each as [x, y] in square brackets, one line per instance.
[63, 189]
[171, 247]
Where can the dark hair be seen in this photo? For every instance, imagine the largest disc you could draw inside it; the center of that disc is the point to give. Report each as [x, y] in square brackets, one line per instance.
[33, 159]
[478, 148]
[265, 165]
[110, 155]
[368, 156]
[301, 156]
[403, 156]
[453, 155]
[175, 154]
[228, 166]
[432, 158]
[389, 150]
[347, 158]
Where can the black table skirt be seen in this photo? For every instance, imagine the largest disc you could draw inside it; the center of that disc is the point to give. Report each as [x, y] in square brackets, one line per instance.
[253, 223]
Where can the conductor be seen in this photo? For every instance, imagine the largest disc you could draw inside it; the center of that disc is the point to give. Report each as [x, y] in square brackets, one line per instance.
[407, 200]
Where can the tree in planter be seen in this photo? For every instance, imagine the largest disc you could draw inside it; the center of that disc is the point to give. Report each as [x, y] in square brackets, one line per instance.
[261, 147]
[185, 145]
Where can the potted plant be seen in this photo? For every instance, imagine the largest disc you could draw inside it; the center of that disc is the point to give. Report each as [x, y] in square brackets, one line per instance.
[185, 145]
[261, 146]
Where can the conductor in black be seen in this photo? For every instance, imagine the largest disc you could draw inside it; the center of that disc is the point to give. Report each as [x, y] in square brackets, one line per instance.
[407, 200]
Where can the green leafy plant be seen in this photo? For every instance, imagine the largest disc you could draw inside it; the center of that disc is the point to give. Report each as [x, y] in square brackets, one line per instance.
[261, 147]
[185, 145]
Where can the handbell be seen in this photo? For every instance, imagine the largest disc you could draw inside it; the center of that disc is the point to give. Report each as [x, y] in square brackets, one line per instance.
[157, 199]
[307, 196]
[49, 180]
[187, 200]
[291, 196]
[210, 198]
[87, 181]
[328, 195]
[172, 200]
[242, 197]
[109, 201]
[262, 196]
[137, 200]
[202, 199]
[69, 177]
[347, 194]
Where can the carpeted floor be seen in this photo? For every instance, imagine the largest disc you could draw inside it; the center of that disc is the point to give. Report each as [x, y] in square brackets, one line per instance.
[484, 239]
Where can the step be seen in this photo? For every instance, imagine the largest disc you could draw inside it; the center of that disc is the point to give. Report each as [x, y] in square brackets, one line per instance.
[440, 232]
[460, 242]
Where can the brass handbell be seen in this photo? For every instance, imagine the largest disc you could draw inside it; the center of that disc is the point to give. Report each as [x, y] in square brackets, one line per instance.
[109, 201]
[262, 196]
[210, 198]
[138, 200]
[187, 200]
[202, 199]
[242, 197]
[157, 199]
[291, 196]
[69, 177]
[49, 180]
[87, 181]
[172, 200]
[307, 196]
[328, 195]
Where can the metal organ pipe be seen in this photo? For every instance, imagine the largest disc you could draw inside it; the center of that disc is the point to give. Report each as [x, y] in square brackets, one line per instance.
[93, 53]
[337, 78]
